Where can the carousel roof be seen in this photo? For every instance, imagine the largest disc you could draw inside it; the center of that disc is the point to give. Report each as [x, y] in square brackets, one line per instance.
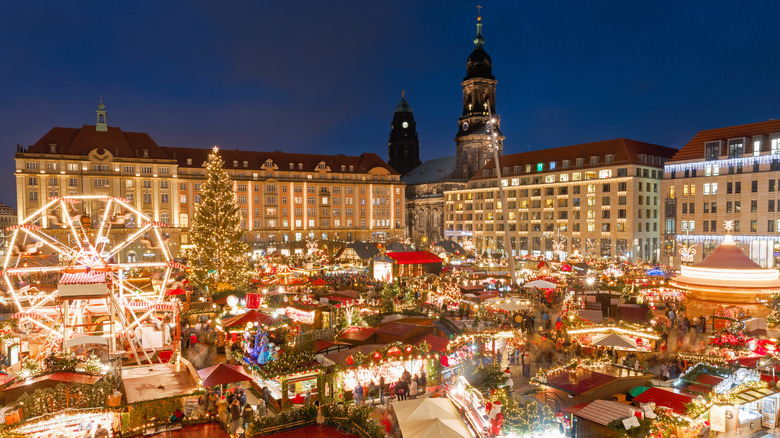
[727, 267]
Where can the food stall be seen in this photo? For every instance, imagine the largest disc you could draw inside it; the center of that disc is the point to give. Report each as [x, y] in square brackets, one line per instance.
[74, 423]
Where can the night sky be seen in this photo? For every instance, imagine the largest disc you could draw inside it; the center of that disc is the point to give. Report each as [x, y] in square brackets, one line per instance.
[325, 77]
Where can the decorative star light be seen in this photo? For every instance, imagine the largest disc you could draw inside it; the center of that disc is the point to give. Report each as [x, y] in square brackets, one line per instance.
[729, 226]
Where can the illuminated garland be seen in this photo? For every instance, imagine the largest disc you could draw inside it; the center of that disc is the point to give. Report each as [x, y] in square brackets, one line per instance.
[698, 406]
[218, 255]
[615, 329]
[532, 418]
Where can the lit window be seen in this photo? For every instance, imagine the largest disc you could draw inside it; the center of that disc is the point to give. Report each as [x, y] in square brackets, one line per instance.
[540, 167]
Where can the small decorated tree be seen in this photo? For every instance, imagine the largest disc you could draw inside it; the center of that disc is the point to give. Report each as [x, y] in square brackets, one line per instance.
[219, 254]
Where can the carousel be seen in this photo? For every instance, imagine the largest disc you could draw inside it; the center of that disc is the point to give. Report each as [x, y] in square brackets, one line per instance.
[727, 278]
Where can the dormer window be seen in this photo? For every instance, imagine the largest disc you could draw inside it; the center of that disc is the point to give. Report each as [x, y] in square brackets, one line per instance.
[53, 148]
[246, 163]
[565, 164]
[351, 168]
[343, 168]
[580, 162]
[235, 163]
[322, 166]
[300, 166]
[594, 161]
[146, 153]
[189, 161]
[552, 165]
[609, 158]
[527, 168]
[292, 166]
[712, 150]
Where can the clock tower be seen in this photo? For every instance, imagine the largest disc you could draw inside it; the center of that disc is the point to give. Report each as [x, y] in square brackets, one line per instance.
[473, 141]
[404, 147]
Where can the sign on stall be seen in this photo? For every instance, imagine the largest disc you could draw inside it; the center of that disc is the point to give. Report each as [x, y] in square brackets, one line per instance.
[769, 412]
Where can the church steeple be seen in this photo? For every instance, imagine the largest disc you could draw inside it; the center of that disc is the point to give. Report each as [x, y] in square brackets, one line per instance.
[403, 148]
[101, 125]
[479, 101]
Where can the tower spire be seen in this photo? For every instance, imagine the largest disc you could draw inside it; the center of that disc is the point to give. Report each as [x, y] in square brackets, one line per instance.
[479, 41]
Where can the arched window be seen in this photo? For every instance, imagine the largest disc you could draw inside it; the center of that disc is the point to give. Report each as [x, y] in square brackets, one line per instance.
[165, 218]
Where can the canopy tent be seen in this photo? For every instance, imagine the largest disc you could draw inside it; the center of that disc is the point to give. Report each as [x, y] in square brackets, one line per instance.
[430, 418]
[254, 317]
[541, 284]
[508, 305]
[222, 374]
[614, 340]
[84, 339]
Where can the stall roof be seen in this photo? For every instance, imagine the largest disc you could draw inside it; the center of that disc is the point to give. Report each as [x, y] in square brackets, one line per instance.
[587, 378]
[340, 357]
[323, 345]
[320, 431]
[59, 376]
[437, 343]
[604, 412]
[670, 398]
[349, 293]
[357, 333]
[157, 381]
[414, 257]
[399, 329]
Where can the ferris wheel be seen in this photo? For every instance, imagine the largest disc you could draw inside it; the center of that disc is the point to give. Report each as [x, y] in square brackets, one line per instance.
[67, 268]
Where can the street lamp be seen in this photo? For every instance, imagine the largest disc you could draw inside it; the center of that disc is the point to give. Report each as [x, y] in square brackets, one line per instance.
[505, 213]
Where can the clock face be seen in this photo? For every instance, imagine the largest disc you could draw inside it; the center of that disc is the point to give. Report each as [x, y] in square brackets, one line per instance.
[465, 126]
[405, 124]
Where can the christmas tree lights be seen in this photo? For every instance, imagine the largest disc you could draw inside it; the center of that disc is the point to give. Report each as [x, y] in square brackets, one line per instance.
[219, 254]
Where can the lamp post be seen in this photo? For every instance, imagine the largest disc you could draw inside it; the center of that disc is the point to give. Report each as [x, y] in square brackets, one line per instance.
[507, 239]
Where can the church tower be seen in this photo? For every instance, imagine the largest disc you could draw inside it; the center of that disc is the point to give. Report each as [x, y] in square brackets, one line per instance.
[473, 141]
[403, 148]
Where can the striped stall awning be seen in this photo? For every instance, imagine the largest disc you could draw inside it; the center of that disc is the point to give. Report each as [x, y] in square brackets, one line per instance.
[176, 265]
[90, 277]
[32, 315]
[138, 307]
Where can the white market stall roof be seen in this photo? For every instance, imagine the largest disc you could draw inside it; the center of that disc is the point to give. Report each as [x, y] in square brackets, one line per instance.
[614, 340]
[430, 418]
[541, 284]
[604, 412]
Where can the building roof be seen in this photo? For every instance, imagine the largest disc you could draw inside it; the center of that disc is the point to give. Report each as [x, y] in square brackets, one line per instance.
[668, 397]
[234, 159]
[6, 210]
[437, 343]
[625, 151]
[450, 247]
[400, 329]
[438, 169]
[604, 412]
[414, 257]
[694, 150]
[728, 256]
[80, 141]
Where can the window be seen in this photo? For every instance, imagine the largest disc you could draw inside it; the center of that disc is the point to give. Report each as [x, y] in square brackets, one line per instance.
[753, 226]
[729, 188]
[753, 206]
[32, 181]
[736, 148]
[146, 169]
[754, 186]
[147, 198]
[712, 150]
[165, 218]
[33, 196]
[164, 198]
[73, 182]
[163, 184]
[738, 187]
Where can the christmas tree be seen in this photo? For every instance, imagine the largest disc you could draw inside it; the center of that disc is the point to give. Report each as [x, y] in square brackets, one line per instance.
[218, 259]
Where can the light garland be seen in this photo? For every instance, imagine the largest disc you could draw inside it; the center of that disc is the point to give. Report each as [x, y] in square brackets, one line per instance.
[614, 329]
[699, 238]
[728, 162]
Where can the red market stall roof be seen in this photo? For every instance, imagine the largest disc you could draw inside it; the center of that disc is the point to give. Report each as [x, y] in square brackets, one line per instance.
[340, 357]
[60, 376]
[587, 378]
[358, 334]
[319, 282]
[349, 293]
[321, 345]
[437, 343]
[320, 431]
[254, 317]
[414, 257]
[222, 374]
[670, 398]
[177, 291]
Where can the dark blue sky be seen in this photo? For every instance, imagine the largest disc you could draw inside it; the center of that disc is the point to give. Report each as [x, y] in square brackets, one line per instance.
[325, 77]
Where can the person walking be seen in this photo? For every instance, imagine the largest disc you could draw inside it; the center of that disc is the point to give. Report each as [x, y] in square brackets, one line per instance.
[413, 389]
[246, 415]
[526, 361]
[423, 382]
[235, 416]
[357, 394]
[382, 389]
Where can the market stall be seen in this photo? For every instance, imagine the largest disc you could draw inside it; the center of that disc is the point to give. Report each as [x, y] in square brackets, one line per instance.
[70, 424]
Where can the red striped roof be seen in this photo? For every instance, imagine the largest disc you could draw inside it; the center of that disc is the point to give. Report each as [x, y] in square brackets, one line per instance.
[414, 257]
[83, 278]
[673, 399]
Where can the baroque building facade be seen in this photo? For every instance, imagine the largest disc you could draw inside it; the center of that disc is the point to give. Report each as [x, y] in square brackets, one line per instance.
[426, 184]
[725, 174]
[600, 199]
[284, 198]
